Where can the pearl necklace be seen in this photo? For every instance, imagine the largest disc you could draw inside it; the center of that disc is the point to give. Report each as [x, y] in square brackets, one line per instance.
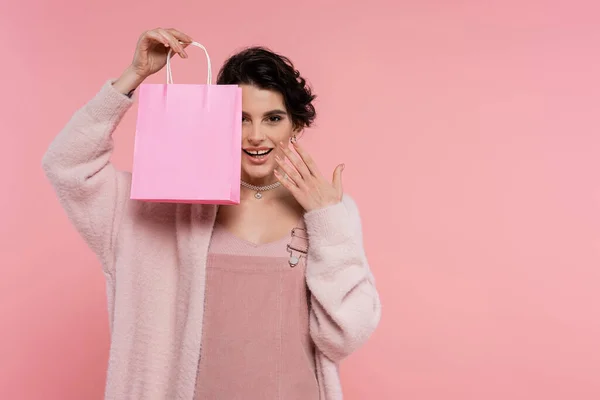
[258, 189]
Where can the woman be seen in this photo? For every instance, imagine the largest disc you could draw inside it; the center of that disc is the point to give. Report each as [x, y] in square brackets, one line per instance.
[210, 302]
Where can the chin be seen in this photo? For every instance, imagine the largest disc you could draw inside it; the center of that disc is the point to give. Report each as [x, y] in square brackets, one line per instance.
[255, 172]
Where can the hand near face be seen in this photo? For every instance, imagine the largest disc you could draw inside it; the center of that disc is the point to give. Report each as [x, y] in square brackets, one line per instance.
[304, 180]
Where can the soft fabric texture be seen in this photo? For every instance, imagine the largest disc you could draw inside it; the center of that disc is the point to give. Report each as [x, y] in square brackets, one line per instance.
[256, 342]
[154, 259]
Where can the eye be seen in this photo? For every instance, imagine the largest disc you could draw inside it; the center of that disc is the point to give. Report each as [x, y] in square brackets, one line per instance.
[245, 119]
[275, 118]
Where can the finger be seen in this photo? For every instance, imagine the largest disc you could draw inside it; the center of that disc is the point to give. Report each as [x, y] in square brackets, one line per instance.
[154, 36]
[337, 180]
[296, 161]
[287, 183]
[290, 171]
[182, 37]
[308, 160]
[173, 42]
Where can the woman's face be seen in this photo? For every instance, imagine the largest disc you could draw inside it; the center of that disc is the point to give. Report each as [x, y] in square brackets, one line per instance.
[265, 123]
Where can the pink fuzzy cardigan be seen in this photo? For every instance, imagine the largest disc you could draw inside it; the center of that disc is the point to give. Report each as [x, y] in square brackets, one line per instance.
[154, 256]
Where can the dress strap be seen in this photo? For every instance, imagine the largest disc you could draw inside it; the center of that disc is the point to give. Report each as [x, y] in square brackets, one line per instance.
[298, 245]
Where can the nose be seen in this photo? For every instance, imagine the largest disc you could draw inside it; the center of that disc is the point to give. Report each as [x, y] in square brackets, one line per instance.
[255, 134]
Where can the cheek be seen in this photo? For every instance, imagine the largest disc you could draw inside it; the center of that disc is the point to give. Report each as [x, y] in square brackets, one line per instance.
[281, 133]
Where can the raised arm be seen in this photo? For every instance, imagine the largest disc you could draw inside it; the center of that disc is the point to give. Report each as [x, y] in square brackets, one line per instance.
[77, 163]
[78, 166]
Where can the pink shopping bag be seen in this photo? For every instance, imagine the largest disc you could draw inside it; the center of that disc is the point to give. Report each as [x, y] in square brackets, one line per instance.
[188, 142]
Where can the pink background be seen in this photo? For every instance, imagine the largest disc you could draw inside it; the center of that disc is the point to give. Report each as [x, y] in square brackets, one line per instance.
[470, 135]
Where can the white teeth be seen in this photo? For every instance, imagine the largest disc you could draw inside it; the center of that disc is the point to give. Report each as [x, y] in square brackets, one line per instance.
[259, 153]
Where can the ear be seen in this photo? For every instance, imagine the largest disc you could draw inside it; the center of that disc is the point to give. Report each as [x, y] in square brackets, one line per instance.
[296, 134]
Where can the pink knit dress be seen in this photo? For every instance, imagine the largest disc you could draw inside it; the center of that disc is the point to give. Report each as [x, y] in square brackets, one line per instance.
[256, 343]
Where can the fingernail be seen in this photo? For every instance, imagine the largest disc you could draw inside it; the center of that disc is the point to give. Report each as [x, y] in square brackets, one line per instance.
[343, 166]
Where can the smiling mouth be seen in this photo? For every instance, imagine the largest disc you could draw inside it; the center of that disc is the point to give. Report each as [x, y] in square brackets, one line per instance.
[258, 153]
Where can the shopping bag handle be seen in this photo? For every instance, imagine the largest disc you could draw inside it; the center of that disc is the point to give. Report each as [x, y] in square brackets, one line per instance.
[170, 74]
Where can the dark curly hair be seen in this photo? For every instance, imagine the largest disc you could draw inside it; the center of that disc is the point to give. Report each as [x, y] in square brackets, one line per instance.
[263, 68]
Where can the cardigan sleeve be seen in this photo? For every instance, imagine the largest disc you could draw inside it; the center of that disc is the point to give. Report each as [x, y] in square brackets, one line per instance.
[77, 164]
[345, 305]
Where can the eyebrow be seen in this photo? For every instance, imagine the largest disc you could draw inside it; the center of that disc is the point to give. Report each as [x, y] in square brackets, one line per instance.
[269, 113]
[275, 112]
